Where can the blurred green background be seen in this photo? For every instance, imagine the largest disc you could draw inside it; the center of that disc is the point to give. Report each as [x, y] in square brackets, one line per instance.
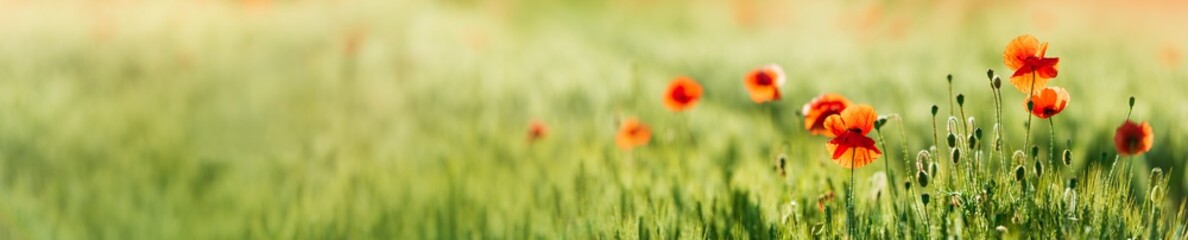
[407, 119]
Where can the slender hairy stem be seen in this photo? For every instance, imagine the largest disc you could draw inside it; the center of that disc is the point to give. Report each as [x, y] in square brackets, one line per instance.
[850, 197]
[1027, 140]
[1051, 140]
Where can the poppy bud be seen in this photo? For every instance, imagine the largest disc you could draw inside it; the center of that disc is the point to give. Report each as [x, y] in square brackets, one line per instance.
[997, 82]
[1131, 101]
[934, 109]
[952, 140]
[1030, 105]
[960, 99]
[1066, 157]
[1039, 168]
[907, 184]
[1020, 173]
[922, 178]
[956, 155]
[1104, 156]
[924, 198]
[1034, 151]
[978, 133]
[1156, 194]
[950, 78]
[973, 141]
[880, 122]
[989, 73]
[1072, 183]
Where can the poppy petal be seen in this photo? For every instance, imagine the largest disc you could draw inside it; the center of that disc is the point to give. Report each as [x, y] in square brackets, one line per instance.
[860, 116]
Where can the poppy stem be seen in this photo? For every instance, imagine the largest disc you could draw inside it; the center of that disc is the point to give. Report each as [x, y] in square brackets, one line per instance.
[890, 174]
[1051, 140]
[1030, 106]
[850, 197]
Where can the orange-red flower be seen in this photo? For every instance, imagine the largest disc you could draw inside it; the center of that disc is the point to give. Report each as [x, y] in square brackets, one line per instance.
[1047, 102]
[852, 148]
[633, 134]
[536, 130]
[682, 94]
[816, 111]
[1025, 56]
[1133, 139]
[764, 83]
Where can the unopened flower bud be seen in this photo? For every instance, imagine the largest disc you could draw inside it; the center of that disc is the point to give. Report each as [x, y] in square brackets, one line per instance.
[1020, 172]
[934, 109]
[880, 122]
[923, 178]
[1034, 151]
[949, 77]
[1039, 168]
[1131, 101]
[997, 82]
[933, 168]
[960, 99]
[989, 73]
[956, 155]
[1030, 105]
[1156, 175]
[973, 142]
[924, 198]
[1019, 156]
[952, 140]
[907, 184]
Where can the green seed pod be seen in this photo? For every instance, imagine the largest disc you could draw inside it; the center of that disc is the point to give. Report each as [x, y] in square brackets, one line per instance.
[952, 140]
[960, 99]
[924, 198]
[880, 122]
[1020, 173]
[923, 178]
[989, 73]
[956, 155]
[1131, 101]
[1039, 168]
[1066, 157]
[934, 109]
[997, 82]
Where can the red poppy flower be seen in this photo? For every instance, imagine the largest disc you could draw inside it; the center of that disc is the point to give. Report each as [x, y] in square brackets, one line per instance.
[682, 93]
[1025, 56]
[816, 111]
[536, 130]
[852, 148]
[633, 134]
[764, 83]
[1047, 102]
[1133, 139]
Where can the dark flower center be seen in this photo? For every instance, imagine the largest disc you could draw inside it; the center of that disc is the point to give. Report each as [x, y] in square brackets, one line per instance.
[763, 79]
[679, 95]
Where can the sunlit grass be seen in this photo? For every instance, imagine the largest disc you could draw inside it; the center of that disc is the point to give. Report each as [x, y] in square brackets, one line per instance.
[409, 120]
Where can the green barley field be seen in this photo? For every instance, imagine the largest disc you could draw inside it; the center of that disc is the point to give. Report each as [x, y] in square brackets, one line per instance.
[371, 119]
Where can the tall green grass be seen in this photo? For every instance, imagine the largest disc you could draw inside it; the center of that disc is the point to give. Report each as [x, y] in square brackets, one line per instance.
[407, 120]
